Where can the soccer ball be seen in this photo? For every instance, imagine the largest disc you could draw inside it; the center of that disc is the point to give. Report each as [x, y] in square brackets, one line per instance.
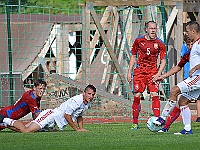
[151, 126]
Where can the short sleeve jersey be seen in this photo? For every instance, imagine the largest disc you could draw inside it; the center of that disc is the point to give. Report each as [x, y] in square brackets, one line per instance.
[185, 50]
[24, 105]
[184, 59]
[73, 106]
[148, 51]
[195, 56]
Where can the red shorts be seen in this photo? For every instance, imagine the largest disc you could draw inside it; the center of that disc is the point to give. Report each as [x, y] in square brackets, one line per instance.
[143, 78]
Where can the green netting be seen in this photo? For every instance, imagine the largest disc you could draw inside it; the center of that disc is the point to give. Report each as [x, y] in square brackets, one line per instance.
[57, 45]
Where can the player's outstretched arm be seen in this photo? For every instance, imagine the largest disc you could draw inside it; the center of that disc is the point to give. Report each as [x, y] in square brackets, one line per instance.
[172, 71]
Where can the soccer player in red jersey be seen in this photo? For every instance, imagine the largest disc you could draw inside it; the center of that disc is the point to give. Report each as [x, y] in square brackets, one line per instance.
[29, 102]
[146, 48]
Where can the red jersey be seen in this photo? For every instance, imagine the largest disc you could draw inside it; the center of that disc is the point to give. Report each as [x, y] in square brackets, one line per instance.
[184, 59]
[148, 51]
[26, 104]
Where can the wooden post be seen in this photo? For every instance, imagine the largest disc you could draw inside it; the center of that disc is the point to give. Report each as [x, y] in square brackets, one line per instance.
[86, 44]
[96, 37]
[179, 37]
[111, 53]
[62, 49]
[124, 40]
[112, 41]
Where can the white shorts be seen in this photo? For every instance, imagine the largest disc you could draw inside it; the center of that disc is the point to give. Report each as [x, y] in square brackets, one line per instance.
[190, 87]
[46, 117]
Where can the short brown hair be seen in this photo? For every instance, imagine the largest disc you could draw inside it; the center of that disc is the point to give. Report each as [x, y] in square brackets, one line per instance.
[39, 81]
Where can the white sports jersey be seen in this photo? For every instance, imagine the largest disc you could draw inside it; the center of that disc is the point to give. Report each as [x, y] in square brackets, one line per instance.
[73, 106]
[195, 56]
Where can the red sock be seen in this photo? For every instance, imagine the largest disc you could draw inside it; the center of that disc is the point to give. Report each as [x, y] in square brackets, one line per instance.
[136, 109]
[156, 106]
[172, 117]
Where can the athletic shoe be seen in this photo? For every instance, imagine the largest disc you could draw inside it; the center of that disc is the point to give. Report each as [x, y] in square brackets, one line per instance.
[159, 122]
[1, 118]
[134, 126]
[198, 119]
[163, 130]
[184, 132]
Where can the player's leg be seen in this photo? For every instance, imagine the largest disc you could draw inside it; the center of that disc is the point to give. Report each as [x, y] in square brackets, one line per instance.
[41, 121]
[169, 106]
[136, 107]
[190, 89]
[186, 115]
[198, 110]
[139, 87]
[174, 114]
[153, 88]
[20, 126]
[155, 104]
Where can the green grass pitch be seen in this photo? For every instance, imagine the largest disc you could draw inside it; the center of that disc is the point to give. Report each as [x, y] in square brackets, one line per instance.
[110, 136]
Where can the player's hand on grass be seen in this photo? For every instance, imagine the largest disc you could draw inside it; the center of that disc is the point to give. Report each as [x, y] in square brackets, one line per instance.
[82, 130]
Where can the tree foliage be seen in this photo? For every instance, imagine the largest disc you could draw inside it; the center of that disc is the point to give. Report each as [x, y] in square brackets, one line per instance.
[44, 6]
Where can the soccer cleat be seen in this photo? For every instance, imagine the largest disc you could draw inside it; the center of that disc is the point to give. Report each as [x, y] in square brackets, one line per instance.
[159, 122]
[184, 132]
[134, 126]
[198, 119]
[163, 130]
[1, 118]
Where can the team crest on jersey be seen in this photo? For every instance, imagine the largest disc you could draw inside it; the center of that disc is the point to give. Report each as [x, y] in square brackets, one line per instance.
[136, 87]
[156, 45]
[142, 43]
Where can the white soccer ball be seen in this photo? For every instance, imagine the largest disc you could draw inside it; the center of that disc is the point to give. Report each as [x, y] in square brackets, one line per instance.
[151, 126]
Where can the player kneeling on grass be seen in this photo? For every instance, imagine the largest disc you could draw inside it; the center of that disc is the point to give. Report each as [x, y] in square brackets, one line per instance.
[68, 112]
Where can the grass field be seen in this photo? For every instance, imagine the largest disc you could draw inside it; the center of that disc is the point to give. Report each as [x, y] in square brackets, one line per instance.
[112, 136]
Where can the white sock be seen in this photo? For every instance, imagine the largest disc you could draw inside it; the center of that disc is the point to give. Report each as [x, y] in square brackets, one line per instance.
[168, 108]
[9, 121]
[186, 116]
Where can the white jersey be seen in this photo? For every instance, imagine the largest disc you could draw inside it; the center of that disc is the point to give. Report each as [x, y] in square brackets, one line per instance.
[195, 56]
[73, 106]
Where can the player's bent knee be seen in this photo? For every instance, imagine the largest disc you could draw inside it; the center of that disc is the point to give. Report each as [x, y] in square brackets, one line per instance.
[175, 90]
[183, 101]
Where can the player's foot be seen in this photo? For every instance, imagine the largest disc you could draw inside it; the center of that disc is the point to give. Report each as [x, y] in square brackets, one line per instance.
[198, 119]
[163, 130]
[1, 118]
[134, 126]
[159, 122]
[184, 132]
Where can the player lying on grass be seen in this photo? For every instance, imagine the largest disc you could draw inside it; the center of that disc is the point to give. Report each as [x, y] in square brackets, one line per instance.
[28, 102]
[68, 112]
[188, 88]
